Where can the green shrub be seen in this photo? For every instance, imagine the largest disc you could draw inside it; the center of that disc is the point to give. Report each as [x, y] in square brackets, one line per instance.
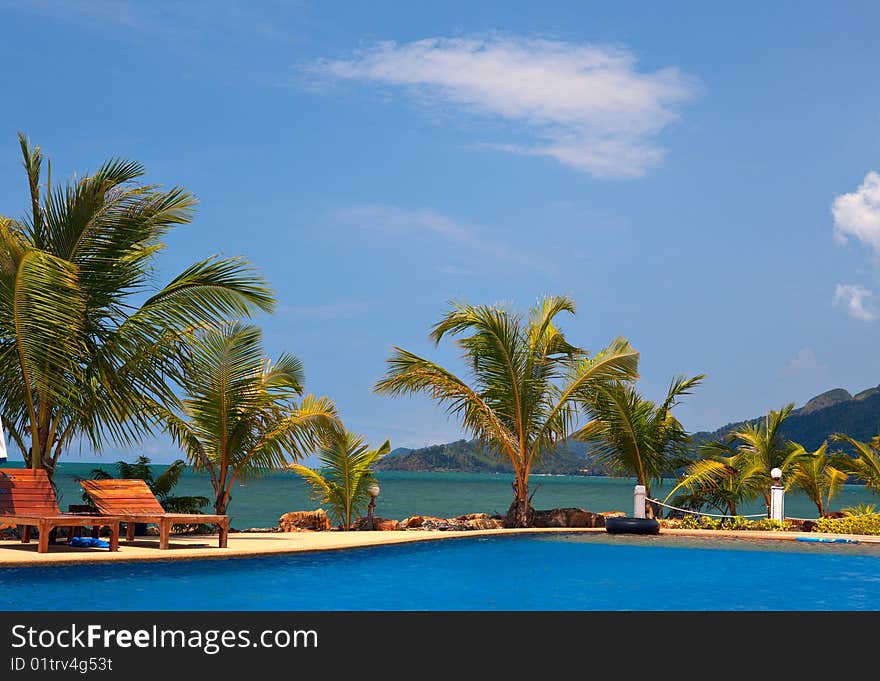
[865, 524]
[738, 523]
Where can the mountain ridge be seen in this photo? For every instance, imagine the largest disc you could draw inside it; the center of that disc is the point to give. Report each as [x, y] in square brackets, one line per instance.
[833, 411]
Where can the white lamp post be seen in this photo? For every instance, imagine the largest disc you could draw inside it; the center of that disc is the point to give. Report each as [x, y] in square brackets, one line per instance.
[373, 490]
[777, 496]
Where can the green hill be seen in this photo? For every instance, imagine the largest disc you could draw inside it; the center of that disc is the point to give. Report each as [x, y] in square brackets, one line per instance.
[469, 456]
[834, 411]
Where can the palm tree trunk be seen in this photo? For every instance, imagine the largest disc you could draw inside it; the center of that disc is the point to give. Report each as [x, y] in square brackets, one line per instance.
[520, 513]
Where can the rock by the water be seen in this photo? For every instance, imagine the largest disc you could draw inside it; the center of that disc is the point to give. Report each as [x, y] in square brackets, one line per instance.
[568, 517]
[473, 516]
[385, 524]
[363, 523]
[486, 523]
[296, 521]
[414, 522]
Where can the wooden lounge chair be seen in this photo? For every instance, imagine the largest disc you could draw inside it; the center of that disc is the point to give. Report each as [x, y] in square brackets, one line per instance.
[133, 501]
[27, 500]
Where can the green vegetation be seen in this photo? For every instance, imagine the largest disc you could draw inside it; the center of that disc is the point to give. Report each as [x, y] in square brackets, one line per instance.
[345, 474]
[162, 487]
[85, 341]
[815, 474]
[737, 523]
[865, 464]
[635, 436]
[865, 524]
[238, 417]
[722, 483]
[834, 411]
[567, 457]
[525, 385]
[860, 509]
[738, 469]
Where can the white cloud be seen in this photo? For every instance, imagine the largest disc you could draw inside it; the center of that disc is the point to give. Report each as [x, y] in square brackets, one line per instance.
[587, 106]
[856, 300]
[858, 214]
[804, 361]
[426, 222]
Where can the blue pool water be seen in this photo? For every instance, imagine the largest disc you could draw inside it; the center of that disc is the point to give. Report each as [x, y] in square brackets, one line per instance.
[537, 572]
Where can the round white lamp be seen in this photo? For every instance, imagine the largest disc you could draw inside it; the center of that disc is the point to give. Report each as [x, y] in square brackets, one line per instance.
[373, 490]
[776, 474]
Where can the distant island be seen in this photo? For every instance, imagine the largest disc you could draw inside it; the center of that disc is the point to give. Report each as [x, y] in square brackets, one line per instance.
[834, 411]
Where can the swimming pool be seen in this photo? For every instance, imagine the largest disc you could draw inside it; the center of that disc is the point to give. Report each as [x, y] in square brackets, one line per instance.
[534, 572]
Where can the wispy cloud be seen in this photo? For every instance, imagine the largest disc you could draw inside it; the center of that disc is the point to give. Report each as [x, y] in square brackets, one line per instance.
[804, 362]
[857, 301]
[587, 106]
[428, 223]
[857, 214]
[181, 19]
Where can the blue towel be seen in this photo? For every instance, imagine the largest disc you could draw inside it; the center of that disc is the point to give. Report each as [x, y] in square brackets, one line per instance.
[84, 542]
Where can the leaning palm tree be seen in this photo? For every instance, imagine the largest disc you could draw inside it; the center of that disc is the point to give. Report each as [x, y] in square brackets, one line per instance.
[815, 474]
[865, 465]
[635, 436]
[345, 473]
[723, 483]
[238, 417]
[525, 382]
[85, 338]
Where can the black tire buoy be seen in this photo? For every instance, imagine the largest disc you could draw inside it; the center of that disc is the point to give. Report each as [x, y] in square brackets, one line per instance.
[632, 526]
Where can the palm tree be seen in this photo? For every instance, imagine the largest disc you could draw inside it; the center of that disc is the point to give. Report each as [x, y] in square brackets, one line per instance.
[816, 475]
[635, 436]
[761, 448]
[525, 382]
[238, 418]
[345, 474]
[723, 483]
[84, 336]
[865, 465]
[162, 487]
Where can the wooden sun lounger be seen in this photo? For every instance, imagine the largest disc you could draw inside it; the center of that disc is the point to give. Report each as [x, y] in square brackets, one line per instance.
[27, 500]
[133, 501]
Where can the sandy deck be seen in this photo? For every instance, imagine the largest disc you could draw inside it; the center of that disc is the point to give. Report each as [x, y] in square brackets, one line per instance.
[13, 553]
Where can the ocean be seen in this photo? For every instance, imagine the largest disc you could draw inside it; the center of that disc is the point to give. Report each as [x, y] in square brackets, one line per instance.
[261, 501]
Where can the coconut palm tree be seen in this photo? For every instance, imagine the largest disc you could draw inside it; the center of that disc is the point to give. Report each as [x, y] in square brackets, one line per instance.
[865, 465]
[238, 416]
[635, 436]
[345, 473]
[816, 475]
[762, 447]
[720, 482]
[84, 335]
[524, 385]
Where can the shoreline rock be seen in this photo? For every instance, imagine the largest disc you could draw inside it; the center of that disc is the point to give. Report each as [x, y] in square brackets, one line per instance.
[297, 521]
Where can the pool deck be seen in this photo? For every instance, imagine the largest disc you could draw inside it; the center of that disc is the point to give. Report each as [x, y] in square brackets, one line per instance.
[249, 545]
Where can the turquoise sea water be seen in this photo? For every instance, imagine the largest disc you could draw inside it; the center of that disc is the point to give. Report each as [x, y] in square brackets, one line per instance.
[260, 502]
[537, 572]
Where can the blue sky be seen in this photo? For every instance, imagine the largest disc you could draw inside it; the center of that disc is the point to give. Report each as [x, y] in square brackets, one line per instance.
[697, 176]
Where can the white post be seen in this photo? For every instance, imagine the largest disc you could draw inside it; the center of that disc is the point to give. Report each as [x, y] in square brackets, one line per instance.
[777, 496]
[639, 495]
